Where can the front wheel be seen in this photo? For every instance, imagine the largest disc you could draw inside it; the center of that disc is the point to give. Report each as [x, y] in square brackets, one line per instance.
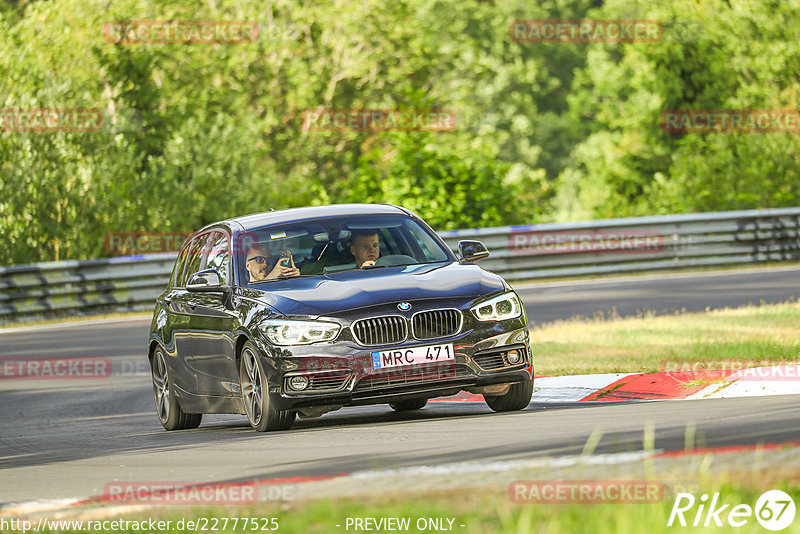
[167, 407]
[518, 397]
[255, 394]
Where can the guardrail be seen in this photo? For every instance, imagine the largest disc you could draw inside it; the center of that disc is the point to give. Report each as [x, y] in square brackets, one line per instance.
[638, 243]
[517, 252]
[65, 288]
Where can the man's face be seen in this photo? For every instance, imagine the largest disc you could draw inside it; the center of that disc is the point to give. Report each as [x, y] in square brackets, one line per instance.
[257, 262]
[365, 248]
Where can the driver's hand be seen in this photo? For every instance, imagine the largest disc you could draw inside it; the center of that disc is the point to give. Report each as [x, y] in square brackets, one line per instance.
[280, 271]
[368, 263]
[290, 271]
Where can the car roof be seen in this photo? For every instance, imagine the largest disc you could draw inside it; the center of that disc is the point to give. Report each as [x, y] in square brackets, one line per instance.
[257, 220]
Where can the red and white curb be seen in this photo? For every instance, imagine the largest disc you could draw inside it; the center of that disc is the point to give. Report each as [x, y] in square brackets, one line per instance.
[668, 385]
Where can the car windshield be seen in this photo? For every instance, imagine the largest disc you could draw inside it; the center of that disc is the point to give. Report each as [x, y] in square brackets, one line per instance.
[332, 245]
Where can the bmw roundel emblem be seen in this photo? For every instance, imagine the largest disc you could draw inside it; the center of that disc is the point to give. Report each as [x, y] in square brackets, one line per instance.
[404, 306]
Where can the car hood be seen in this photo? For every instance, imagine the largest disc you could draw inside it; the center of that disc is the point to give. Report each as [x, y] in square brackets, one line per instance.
[338, 292]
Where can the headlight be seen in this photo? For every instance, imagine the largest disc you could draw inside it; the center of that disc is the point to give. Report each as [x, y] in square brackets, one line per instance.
[286, 332]
[505, 306]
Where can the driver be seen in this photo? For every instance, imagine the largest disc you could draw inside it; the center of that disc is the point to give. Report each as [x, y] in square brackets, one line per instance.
[260, 265]
[365, 246]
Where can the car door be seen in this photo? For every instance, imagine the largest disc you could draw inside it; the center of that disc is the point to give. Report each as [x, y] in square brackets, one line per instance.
[180, 304]
[211, 322]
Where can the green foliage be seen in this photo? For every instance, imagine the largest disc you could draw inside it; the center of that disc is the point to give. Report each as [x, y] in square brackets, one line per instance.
[197, 133]
[453, 188]
[715, 55]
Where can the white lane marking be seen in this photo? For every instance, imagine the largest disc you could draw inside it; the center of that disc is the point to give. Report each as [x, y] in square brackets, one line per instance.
[748, 388]
[754, 382]
[706, 392]
[477, 467]
[71, 324]
[571, 388]
[18, 508]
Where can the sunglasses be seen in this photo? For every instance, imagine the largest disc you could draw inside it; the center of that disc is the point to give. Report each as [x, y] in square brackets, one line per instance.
[258, 259]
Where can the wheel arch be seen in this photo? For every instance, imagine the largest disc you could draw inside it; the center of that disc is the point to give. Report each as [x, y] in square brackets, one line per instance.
[241, 339]
[151, 349]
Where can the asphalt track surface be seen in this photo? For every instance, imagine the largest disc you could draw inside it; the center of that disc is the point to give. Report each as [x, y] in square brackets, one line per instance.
[661, 294]
[69, 438]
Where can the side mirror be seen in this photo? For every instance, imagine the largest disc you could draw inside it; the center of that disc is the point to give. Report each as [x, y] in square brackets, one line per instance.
[472, 250]
[207, 281]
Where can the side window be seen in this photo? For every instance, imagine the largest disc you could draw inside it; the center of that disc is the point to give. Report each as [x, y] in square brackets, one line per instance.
[218, 255]
[194, 258]
[179, 263]
[426, 243]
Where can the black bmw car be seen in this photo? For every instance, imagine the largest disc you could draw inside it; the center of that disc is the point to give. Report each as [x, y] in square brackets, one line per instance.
[307, 310]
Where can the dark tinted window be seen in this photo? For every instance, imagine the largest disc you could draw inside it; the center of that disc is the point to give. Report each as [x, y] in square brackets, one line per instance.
[218, 256]
[179, 263]
[194, 258]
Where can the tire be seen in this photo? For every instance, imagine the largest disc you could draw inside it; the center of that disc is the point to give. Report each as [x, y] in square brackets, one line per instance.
[255, 394]
[518, 397]
[408, 405]
[169, 412]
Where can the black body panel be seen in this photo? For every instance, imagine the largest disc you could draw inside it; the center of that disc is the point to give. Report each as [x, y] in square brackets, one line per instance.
[202, 332]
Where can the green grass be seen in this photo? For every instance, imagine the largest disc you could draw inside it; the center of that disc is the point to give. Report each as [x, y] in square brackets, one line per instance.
[755, 335]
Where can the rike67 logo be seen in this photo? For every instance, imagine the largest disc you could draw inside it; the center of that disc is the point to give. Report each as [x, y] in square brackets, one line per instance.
[774, 510]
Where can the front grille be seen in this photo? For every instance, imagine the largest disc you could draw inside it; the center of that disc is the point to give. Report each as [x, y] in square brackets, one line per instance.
[490, 361]
[383, 330]
[432, 324]
[400, 377]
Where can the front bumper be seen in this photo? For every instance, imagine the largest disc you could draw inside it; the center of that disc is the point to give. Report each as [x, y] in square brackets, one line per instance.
[342, 373]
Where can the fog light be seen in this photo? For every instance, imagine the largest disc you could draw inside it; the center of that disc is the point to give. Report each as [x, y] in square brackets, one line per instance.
[514, 357]
[298, 383]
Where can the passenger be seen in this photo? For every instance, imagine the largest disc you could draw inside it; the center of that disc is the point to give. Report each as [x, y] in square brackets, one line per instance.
[366, 247]
[261, 266]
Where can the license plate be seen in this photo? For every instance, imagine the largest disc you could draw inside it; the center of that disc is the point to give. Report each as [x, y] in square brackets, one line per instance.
[412, 356]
